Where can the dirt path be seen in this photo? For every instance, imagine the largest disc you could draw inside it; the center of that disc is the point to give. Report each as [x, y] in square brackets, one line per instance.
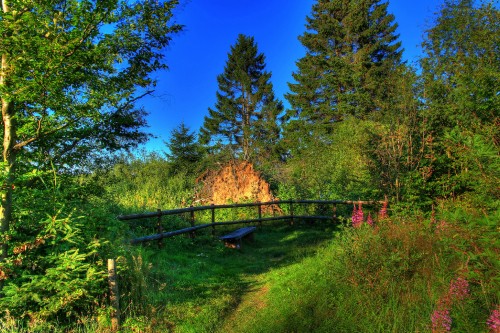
[251, 302]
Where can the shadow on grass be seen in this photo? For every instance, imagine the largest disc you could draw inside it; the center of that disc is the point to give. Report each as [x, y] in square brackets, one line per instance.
[198, 282]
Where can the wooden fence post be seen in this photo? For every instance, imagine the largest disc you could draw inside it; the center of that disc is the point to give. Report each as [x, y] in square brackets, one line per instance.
[159, 228]
[193, 233]
[259, 206]
[291, 212]
[212, 209]
[114, 296]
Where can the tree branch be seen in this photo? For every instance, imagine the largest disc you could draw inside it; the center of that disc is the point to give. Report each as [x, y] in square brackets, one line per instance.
[39, 135]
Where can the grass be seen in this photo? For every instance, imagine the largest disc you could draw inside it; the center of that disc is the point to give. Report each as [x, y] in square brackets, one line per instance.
[388, 279]
[310, 278]
[194, 285]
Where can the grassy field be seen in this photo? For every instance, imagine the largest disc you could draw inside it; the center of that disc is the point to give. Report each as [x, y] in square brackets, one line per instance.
[397, 277]
[198, 285]
[402, 275]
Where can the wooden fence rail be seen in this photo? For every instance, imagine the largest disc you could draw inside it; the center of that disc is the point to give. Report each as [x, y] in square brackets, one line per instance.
[191, 210]
[260, 219]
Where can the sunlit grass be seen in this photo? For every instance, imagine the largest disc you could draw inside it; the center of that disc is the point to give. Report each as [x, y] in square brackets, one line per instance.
[194, 284]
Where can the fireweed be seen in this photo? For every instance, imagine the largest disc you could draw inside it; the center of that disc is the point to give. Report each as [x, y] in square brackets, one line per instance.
[459, 289]
[441, 319]
[494, 320]
[357, 216]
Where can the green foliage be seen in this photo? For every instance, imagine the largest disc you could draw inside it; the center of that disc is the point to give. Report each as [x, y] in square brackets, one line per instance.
[147, 183]
[338, 167]
[460, 74]
[98, 57]
[55, 273]
[246, 111]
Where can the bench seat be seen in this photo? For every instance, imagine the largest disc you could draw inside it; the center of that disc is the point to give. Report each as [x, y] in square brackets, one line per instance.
[233, 240]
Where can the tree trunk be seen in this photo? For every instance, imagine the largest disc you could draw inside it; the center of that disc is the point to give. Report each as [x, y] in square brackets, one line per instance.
[8, 155]
[8, 169]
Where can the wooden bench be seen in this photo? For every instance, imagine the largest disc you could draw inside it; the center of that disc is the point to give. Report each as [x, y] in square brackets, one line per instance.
[233, 240]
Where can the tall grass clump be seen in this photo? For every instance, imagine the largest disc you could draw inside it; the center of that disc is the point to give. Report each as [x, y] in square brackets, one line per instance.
[401, 275]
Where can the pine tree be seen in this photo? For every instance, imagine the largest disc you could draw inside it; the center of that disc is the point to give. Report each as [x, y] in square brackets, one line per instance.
[351, 50]
[245, 115]
[185, 151]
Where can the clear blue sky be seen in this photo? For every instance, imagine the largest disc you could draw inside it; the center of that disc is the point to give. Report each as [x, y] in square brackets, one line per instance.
[198, 54]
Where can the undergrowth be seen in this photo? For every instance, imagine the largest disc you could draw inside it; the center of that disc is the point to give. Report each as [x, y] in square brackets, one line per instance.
[400, 275]
[397, 277]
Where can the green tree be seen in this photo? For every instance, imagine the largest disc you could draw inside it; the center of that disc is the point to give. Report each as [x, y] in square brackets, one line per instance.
[70, 74]
[352, 49]
[245, 115]
[396, 144]
[460, 72]
[185, 151]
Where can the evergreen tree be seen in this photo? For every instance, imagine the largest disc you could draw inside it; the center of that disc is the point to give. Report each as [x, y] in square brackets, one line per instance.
[352, 49]
[245, 115]
[185, 151]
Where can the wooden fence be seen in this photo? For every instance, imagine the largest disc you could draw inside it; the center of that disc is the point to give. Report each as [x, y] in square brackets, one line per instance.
[258, 219]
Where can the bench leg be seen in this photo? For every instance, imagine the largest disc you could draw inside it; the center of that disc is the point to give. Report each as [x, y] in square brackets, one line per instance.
[233, 245]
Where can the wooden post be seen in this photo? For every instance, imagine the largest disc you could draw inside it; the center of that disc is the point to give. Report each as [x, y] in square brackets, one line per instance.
[260, 214]
[159, 228]
[212, 208]
[291, 212]
[193, 234]
[114, 296]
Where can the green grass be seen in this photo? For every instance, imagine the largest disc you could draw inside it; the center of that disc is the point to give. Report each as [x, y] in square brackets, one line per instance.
[194, 285]
[307, 278]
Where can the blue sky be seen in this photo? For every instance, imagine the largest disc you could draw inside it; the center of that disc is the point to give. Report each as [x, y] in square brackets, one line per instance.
[198, 54]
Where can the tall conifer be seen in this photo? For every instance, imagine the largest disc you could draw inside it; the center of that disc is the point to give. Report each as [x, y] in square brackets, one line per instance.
[244, 118]
[352, 49]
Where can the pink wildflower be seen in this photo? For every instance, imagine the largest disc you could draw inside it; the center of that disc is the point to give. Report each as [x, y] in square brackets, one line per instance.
[494, 321]
[441, 321]
[459, 289]
[382, 214]
[361, 215]
[369, 220]
[357, 216]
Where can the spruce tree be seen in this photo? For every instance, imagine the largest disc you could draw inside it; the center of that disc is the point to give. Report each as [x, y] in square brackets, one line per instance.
[352, 49]
[244, 118]
[185, 151]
